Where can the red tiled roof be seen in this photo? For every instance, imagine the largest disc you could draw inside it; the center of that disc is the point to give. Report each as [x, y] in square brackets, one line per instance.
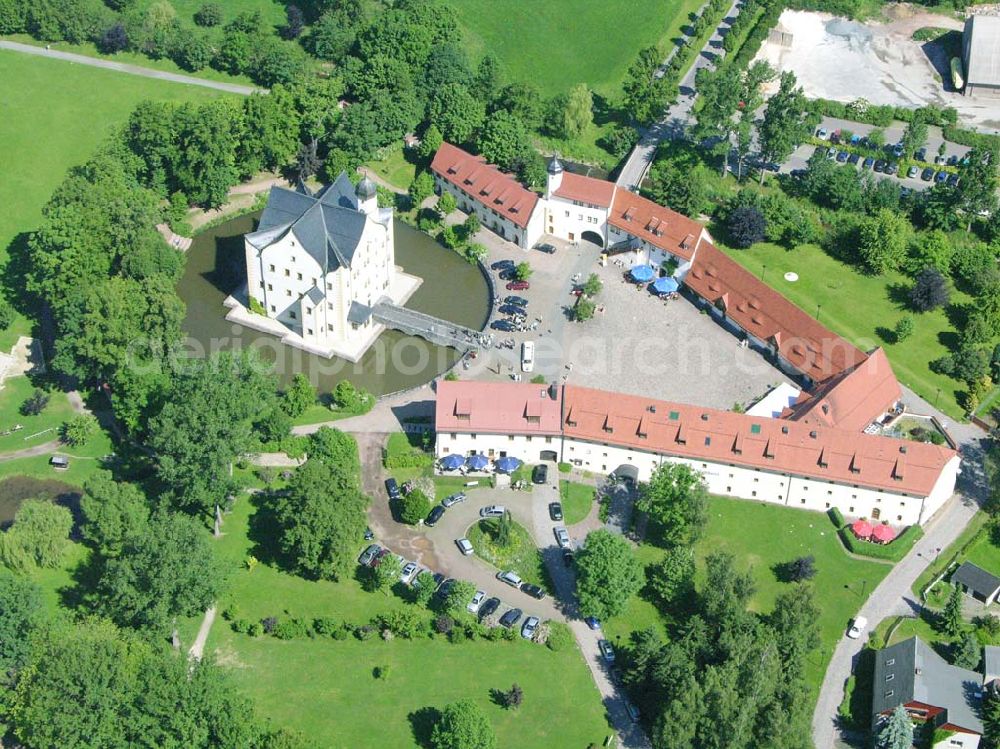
[485, 183]
[766, 314]
[497, 408]
[776, 445]
[659, 226]
[851, 400]
[585, 189]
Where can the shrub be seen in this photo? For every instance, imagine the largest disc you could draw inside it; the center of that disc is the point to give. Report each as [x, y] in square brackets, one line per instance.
[6, 314]
[241, 626]
[893, 551]
[290, 629]
[79, 430]
[929, 291]
[35, 403]
[381, 672]
[113, 39]
[414, 507]
[904, 329]
[209, 14]
[365, 632]
[559, 637]
[443, 624]
[269, 623]
[404, 623]
[325, 625]
[837, 517]
[746, 226]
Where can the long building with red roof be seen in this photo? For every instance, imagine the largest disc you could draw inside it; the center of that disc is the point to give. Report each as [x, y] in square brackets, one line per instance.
[792, 462]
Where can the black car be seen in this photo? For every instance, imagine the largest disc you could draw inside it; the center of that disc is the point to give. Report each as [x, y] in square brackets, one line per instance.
[880, 165]
[568, 557]
[540, 473]
[547, 248]
[489, 607]
[920, 154]
[891, 168]
[505, 325]
[555, 511]
[512, 617]
[512, 309]
[842, 156]
[392, 488]
[508, 274]
[502, 264]
[928, 174]
[532, 590]
[434, 515]
[438, 579]
[518, 300]
[445, 587]
[853, 158]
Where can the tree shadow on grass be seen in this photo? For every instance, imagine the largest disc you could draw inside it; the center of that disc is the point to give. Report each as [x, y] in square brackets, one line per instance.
[264, 531]
[860, 705]
[422, 724]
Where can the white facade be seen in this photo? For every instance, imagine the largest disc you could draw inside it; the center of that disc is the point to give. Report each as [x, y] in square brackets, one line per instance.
[524, 237]
[727, 480]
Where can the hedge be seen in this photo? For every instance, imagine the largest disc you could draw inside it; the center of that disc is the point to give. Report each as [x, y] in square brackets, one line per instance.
[883, 115]
[892, 552]
[758, 33]
[970, 138]
[837, 517]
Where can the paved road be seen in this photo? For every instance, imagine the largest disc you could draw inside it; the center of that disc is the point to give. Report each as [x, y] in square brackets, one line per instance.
[894, 596]
[96, 62]
[676, 117]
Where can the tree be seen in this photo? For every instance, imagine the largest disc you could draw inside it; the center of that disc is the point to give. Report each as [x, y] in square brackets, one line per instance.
[676, 501]
[459, 595]
[413, 507]
[882, 241]
[991, 717]
[746, 226]
[294, 22]
[430, 142]
[592, 286]
[978, 184]
[207, 139]
[952, 620]
[456, 112]
[683, 186]
[421, 188]
[192, 50]
[471, 225]
[876, 138]
[896, 731]
[786, 122]
[583, 310]
[277, 62]
[205, 423]
[114, 39]
[299, 396]
[914, 137]
[512, 698]
[39, 536]
[114, 513]
[463, 725]
[578, 112]
[387, 573]
[719, 94]
[966, 651]
[645, 95]
[802, 568]
[165, 571]
[794, 623]
[321, 517]
[931, 249]
[35, 403]
[503, 139]
[608, 574]
[447, 204]
[209, 14]
[79, 430]
[672, 578]
[271, 134]
[726, 591]
[22, 611]
[423, 587]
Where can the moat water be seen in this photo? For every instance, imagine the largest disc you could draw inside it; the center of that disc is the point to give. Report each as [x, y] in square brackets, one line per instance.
[16, 489]
[452, 289]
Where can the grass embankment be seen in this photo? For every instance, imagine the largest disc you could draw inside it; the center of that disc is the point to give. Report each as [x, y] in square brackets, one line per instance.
[577, 501]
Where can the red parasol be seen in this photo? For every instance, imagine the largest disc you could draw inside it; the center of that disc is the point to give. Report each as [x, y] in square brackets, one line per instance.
[883, 534]
[861, 528]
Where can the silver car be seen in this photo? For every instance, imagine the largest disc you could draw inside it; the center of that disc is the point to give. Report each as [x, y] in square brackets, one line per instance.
[529, 627]
[562, 536]
[453, 499]
[476, 602]
[408, 572]
[510, 578]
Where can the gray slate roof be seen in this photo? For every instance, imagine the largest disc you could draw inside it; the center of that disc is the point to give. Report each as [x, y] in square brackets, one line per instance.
[976, 579]
[991, 663]
[918, 674]
[359, 313]
[983, 65]
[326, 223]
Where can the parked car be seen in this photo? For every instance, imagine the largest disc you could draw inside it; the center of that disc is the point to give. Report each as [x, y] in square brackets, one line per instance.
[507, 274]
[607, 652]
[477, 601]
[511, 617]
[527, 356]
[822, 134]
[392, 488]
[913, 172]
[369, 534]
[382, 554]
[492, 511]
[434, 515]
[842, 156]
[555, 511]
[513, 310]
[502, 264]
[488, 608]
[562, 537]
[540, 474]
[920, 154]
[465, 546]
[941, 177]
[633, 711]
[897, 150]
[928, 174]
[438, 579]
[857, 627]
[868, 163]
[368, 555]
[453, 499]
[509, 577]
[518, 286]
[529, 627]
[505, 325]
[533, 590]
[853, 159]
[952, 160]
[408, 572]
[831, 153]
[879, 165]
[593, 622]
[445, 587]
[568, 557]
[891, 168]
[547, 248]
[518, 300]
[953, 180]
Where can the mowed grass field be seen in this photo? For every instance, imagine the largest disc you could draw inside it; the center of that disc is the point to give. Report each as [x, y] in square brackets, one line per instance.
[559, 43]
[761, 536]
[53, 115]
[327, 690]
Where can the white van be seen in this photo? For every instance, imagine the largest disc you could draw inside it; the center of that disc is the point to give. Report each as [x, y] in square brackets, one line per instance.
[528, 356]
[857, 627]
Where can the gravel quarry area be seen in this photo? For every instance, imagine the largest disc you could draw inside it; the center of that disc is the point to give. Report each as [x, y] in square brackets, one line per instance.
[836, 58]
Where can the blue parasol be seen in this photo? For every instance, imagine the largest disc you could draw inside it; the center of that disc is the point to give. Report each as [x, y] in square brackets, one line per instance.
[665, 285]
[642, 273]
[508, 464]
[452, 462]
[477, 462]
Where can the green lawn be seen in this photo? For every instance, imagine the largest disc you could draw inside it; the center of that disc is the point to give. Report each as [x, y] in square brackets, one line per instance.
[560, 43]
[577, 501]
[858, 307]
[761, 536]
[394, 167]
[36, 430]
[522, 556]
[325, 688]
[53, 115]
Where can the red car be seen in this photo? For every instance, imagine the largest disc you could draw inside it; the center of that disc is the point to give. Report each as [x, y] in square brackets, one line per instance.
[518, 286]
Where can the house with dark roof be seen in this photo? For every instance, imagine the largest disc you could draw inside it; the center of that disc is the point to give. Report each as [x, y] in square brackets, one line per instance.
[975, 581]
[931, 690]
[317, 263]
[981, 54]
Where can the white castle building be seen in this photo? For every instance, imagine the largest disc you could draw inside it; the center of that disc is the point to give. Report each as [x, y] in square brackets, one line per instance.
[317, 264]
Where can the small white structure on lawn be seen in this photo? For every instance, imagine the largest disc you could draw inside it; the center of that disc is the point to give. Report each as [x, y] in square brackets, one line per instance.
[317, 264]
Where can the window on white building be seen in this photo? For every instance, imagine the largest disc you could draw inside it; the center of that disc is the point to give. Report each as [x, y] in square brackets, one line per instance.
[273, 309]
[270, 287]
[299, 275]
[287, 272]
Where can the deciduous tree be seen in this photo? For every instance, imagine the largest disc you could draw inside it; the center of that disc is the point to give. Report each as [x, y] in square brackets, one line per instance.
[608, 574]
[675, 500]
[463, 725]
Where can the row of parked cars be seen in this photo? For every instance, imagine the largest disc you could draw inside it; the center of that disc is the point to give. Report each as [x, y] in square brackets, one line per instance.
[506, 270]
